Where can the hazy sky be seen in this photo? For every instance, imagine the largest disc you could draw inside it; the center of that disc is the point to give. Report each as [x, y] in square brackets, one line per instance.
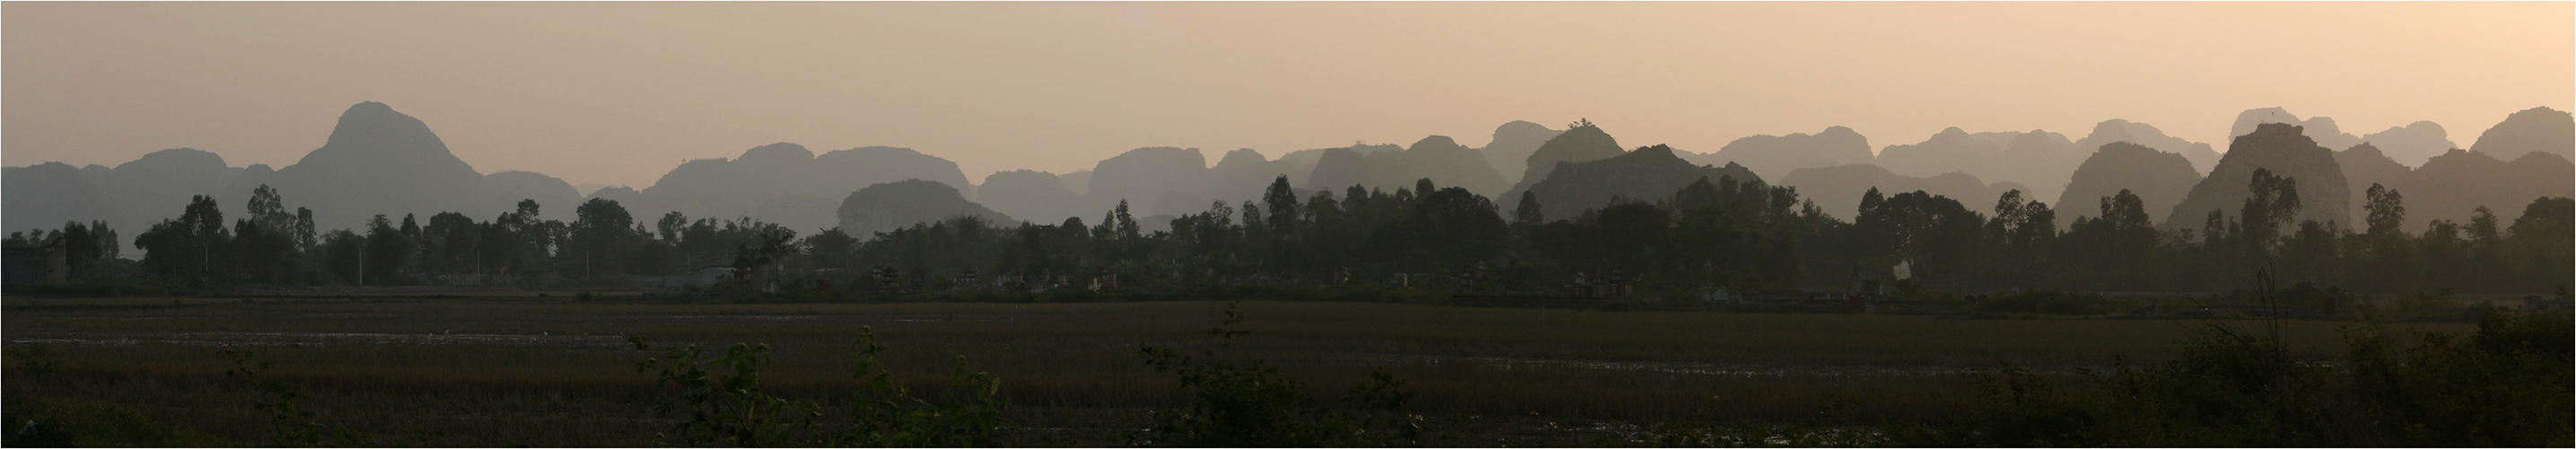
[618, 93]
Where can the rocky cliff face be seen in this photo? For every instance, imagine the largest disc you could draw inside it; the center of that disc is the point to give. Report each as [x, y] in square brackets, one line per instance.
[1647, 175]
[2286, 150]
[2159, 179]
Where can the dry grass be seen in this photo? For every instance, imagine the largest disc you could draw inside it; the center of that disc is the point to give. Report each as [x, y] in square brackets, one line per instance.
[546, 371]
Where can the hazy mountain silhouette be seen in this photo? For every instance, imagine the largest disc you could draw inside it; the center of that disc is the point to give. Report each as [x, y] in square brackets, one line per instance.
[1508, 153]
[2537, 129]
[1838, 190]
[779, 177]
[1032, 196]
[894, 205]
[2412, 144]
[159, 185]
[1647, 175]
[377, 161]
[2367, 164]
[2158, 178]
[1339, 167]
[1241, 176]
[243, 184]
[627, 197]
[2320, 129]
[1079, 181]
[1174, 204]
[2044, 161]
[2116, 130]
[1951, 150]
[1438, 158]
[804, 211]
[49, 194]
[2287, 151]
[585, 189]
[2453, 185]
[1775, 156]
[1583, 142]
[503, 190]
[1143, 174]
[1449, 164]
[2038, 159]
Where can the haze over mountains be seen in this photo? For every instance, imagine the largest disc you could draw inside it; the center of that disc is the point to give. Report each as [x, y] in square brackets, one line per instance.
[380, 161]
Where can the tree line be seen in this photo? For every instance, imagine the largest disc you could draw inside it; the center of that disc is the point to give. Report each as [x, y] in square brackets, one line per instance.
[1718, 233]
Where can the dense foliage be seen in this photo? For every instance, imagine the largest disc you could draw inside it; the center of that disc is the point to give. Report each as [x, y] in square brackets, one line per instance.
[1714, 233]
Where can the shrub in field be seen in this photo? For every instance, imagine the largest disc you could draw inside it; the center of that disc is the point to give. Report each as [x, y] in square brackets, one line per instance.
[725, 405]
[295, 425]
[1240, 403]
[2509, 384]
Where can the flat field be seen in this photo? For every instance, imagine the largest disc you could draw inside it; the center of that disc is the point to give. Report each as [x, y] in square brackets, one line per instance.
[506, 370]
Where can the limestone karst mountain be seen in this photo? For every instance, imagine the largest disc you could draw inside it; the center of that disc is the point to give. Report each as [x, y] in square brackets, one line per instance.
[2412, 144]
[1447, 163]
[503, 190]
[44, 196]
[1339, 167]
[1078, 180]
[1141, 175]
[2287, 151]
[1437, 158]
[806, 212]
[1174, 203]
[162, 182]
[378, 161]
[894, 205]
[1581, 142]
[2158, 178]
[1838, 190]
[2116, 130]
[2039, 159]
[2320, 129]
[2537, 129]
[1951, 150]
[1032, 196]
[1301, 164]
[1511, 146]
[781, 177]
[1775, 156]
[2452, 186]
[1647, 175]
[2367, 164]
[1241, 176]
